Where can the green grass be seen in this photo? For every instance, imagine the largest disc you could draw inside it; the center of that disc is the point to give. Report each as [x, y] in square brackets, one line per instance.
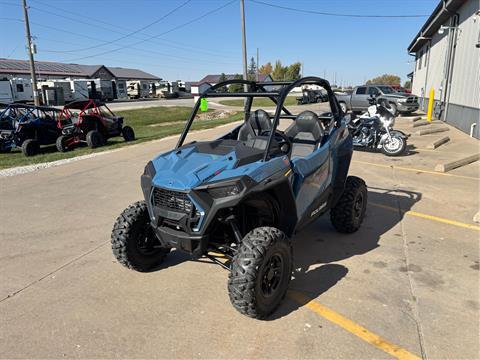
[259, 102]
[141, 121]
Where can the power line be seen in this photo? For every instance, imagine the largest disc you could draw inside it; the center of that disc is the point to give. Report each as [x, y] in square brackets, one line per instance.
[115, 26]
[131, 47]
[156, 36]
[131, 33]
[189, 59]
[334, 14]
[178, 45]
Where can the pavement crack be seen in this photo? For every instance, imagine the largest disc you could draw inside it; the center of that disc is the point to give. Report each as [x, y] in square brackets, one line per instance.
[9, 296]
[415, 316]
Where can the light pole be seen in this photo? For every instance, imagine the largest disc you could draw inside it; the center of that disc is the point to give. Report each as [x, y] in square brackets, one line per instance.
[36, 99]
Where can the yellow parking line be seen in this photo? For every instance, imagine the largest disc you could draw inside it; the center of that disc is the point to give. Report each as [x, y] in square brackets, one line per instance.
[429, 217]
[352, 327]
[413, 170]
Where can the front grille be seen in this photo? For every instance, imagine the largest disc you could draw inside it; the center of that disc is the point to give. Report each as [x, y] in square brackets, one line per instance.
[412, 100]
[172, 200]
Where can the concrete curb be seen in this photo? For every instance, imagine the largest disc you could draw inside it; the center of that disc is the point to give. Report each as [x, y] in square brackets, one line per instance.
[438, 142]
[416, 118]
[476, 217]
[421, 123]
[457, 163]
[432, 131]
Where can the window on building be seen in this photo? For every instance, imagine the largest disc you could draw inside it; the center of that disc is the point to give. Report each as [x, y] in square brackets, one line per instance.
[19, 87]
[362, 90]
[420, 59]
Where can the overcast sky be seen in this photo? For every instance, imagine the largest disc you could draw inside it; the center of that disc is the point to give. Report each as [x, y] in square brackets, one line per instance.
[187, 42]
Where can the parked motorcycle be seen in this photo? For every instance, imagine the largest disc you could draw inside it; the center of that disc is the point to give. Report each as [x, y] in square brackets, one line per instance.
[374, 129]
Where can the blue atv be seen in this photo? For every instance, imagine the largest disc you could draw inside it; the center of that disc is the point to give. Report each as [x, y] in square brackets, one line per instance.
[243, 197]
[27, 127]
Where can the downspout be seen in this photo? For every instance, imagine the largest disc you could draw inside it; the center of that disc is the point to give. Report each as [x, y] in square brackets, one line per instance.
[452, 34]
[426, 73]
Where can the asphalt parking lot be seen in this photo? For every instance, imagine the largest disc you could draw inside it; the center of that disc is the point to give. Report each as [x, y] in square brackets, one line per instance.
[406, 285]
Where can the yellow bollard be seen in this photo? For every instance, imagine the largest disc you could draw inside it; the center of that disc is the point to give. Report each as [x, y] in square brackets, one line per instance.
[431, 100]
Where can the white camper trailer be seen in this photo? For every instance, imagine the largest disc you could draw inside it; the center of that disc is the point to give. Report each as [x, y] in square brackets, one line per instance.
[121, 89]
[56, 84]
[6, 95]
[138, 89]
[21, 90]
[79, 89]
[103, 90]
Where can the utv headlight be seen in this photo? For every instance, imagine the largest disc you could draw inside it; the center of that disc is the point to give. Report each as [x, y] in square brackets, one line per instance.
[225, 191]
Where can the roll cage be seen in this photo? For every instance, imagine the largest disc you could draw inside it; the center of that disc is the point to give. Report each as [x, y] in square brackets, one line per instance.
[276, 91]
[84, 106]
[24, 113]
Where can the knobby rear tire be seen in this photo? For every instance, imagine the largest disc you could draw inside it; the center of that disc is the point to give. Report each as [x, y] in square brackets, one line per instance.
[349, 212]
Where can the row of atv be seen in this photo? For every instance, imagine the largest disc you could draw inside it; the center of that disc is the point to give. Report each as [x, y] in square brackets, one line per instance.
[88, 122]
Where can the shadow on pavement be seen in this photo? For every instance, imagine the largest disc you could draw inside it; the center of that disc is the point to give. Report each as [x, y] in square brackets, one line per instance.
[409, 151]
[319, 245]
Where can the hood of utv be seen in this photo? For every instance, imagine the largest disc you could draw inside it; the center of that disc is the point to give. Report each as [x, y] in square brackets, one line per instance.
[187, 168]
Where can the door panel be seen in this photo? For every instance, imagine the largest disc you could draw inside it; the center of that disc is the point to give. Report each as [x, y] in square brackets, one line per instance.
[359, 99]
[312, 175]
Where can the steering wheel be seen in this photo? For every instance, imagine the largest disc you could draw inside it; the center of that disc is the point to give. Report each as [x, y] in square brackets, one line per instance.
[283, 141]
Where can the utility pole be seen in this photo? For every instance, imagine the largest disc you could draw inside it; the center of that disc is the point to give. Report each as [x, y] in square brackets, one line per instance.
[244, 42]
[30, 45]
[257, 66]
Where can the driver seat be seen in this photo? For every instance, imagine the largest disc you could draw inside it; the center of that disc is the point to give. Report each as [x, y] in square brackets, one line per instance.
[258, 122]
[306, 134]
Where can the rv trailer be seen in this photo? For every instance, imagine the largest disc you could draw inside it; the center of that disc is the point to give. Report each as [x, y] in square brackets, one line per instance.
[79, 89]
[21, 90]
[58, 84]
[121, 86]
[6, 96]
[138, 89]
[101, 90]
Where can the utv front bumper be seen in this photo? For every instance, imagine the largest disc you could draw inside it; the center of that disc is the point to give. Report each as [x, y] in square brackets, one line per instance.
[181, 219]
[192, 244]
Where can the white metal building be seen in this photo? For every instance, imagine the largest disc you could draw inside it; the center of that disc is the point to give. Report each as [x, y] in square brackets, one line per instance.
[447, 59]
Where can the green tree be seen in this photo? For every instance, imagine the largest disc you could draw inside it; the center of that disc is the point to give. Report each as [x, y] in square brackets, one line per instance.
[252, 69]
[385, 79]
[222, 78]
[236, 87]
[266, 69]
[292, 72]
[278, 72]
[407, 85]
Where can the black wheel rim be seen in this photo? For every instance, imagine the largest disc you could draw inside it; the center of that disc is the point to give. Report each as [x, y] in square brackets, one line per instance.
[272, 275]
[358, 206]
[147, 243]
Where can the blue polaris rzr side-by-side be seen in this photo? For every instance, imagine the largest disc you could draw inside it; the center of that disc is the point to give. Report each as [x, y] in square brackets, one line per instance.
[27, 127]
[244, 196]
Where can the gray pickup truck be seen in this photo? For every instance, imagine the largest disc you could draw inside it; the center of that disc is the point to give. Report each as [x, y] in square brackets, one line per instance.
[357, 101]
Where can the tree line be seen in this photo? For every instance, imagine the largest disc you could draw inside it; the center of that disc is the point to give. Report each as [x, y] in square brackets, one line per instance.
[278, 72]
